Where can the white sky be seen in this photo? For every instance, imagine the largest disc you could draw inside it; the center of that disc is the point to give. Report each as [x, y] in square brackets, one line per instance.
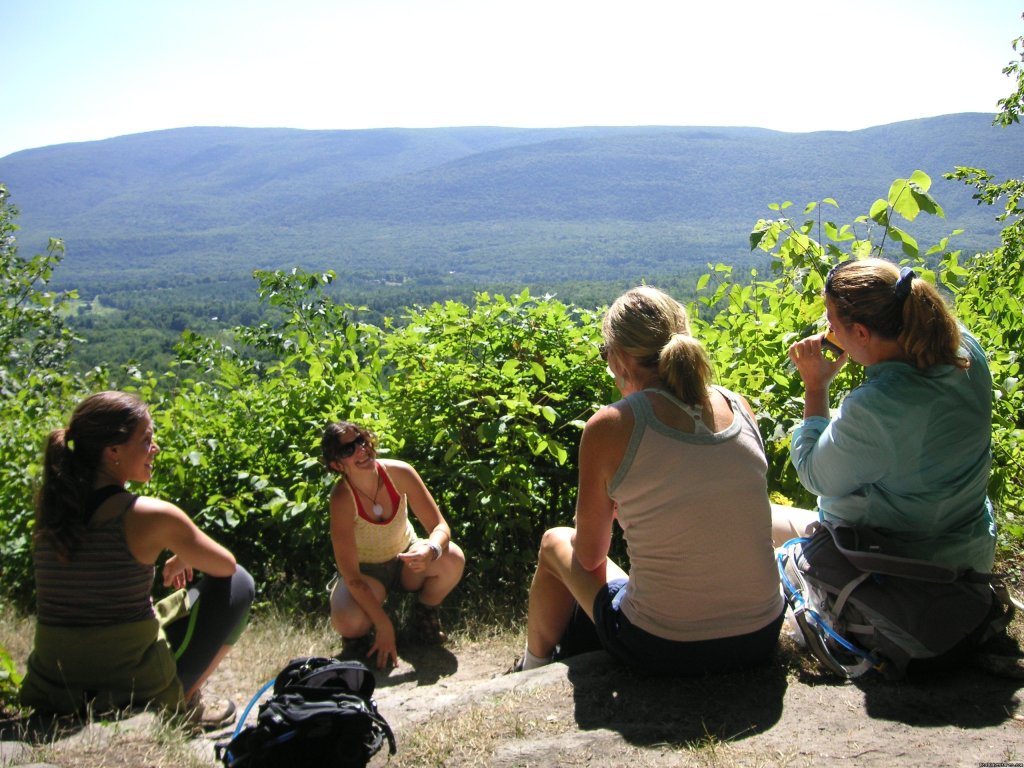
[78, 70]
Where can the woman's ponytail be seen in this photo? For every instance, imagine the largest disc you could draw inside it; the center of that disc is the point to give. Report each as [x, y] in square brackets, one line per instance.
[59, 512]
[685, 368]
[930, 334]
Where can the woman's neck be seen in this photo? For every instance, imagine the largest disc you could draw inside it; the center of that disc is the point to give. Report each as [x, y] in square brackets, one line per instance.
[104, 478]
[364, 477]
[884, 351]
[640, 379]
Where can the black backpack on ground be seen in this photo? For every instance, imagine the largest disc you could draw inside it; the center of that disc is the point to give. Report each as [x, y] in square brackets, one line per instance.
[322, 713]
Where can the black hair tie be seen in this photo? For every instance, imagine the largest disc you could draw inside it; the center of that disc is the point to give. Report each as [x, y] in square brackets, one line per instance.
[902, 288]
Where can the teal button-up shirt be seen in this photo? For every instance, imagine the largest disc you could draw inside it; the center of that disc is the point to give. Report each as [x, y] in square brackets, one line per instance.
[908, 454]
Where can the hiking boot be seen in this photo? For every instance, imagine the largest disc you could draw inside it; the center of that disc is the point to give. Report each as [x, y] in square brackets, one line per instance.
[355, 648]
[426, 625]
[202, 714]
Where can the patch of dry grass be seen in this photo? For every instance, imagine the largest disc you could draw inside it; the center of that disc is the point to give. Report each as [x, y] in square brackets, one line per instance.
[271, 640]
[537, 728]
[145, 740]
[470, 736]
[16, 631]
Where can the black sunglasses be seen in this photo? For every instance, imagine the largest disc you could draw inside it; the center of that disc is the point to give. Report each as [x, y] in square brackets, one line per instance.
[602, 350]
[347, 449]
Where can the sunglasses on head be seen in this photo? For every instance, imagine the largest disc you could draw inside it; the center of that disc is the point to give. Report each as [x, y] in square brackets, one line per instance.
[347, 449]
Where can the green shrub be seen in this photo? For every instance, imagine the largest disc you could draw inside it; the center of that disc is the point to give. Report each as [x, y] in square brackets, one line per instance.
[488, 402]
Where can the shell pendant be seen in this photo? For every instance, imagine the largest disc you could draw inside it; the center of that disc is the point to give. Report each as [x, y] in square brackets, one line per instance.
[378, 511]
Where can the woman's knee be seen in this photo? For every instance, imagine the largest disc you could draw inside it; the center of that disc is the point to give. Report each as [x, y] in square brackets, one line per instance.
[243, 585]
[347, 618]
[455, 560]
[350, 623]
[553, 544]
[790, 522]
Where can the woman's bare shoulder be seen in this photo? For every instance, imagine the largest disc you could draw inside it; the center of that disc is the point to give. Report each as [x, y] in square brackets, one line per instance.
[150, 506]
[610, 425]
[611, 416]
[398, 469]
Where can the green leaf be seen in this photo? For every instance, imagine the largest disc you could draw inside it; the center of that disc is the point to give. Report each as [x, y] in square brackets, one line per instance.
[557, 450]
[879, 212]
[755, 239]
[902, 199]
[921, 180]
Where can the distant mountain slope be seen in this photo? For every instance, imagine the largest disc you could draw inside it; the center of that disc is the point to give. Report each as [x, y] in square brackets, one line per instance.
[193, 204]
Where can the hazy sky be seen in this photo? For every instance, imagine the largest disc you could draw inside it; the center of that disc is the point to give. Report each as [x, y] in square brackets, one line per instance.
[78, 70]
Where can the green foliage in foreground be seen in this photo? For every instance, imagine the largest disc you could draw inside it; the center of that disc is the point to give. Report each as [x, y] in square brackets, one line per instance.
[488, 402]
[10, 680]
[34, 384]
[486, 399]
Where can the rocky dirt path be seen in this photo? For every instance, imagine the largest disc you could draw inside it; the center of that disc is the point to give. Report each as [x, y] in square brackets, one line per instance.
[606, 716]
[454, 708]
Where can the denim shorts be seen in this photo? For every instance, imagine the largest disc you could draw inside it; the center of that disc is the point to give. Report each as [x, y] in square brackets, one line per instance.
[640, 649]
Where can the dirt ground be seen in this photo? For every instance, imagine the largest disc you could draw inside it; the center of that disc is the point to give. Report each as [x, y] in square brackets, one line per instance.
[453, 707]
[780, 716]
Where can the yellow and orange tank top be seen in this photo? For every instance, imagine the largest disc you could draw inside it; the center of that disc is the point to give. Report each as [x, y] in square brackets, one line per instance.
[378, 541]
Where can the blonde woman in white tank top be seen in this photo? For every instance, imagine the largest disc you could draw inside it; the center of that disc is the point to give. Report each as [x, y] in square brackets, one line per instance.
[679, 463]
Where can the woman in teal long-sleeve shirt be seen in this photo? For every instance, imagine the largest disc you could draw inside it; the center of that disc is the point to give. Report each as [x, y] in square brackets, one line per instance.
[908, 453]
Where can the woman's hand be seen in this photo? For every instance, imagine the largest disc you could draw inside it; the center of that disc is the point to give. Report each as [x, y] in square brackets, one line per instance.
[419, 556]
[176, 573]
[384, 649]
[817, 372]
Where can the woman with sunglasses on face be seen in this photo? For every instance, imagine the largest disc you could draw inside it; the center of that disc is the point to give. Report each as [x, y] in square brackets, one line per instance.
[679, 464]
[376, 549]
[908, 452]
[100, 641]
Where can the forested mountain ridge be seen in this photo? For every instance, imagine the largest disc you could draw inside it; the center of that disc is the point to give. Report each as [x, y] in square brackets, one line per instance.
[483, 204]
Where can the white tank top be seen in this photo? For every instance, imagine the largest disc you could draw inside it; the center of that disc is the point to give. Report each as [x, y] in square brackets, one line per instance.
[695, 513]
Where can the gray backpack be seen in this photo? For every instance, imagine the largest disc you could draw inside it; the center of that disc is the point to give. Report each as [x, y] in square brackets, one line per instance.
[861, 609]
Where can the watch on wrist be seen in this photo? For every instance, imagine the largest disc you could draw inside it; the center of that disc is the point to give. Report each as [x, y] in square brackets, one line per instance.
[435, 547]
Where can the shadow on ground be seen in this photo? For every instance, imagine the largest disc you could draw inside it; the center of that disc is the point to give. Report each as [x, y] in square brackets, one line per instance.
[966, 698]
[429, 663]
[647, 710]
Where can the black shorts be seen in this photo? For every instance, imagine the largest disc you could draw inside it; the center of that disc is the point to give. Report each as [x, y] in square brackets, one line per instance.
[640, 649]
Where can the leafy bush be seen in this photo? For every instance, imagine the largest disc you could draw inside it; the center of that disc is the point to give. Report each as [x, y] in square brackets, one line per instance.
[34, 386]
[488, 403]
